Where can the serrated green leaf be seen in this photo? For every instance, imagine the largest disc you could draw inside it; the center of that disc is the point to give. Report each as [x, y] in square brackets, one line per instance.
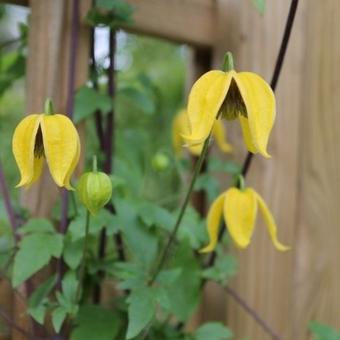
[95, 322]
[141, 310]
[154, 215]
[324, 332]
[58, 316]
[87, 101]
[260, 5]
[37, 225]
[213, 331]
[39, 298]
[35, 251]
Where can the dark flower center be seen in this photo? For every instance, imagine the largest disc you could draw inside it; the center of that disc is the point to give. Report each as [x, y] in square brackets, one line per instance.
[39, 145]
[233, 105]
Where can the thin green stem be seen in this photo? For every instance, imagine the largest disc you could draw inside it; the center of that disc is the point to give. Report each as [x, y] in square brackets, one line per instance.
[228, 62]
[94, 164]
[172, 236]
[48, 107]
[83, 260]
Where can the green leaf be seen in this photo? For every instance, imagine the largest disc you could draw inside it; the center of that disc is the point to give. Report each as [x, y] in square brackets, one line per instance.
[140, 240]
[324, 332]
[225, 268]
[70, 285]
[184, 291]
[73, 252]
[192, 229]
[104, 218]
[88, 101]
[35, 251]
[95, 322]
[141, 310]
[154, 215]
[213, 331]
[260, 5]
[138, 98]
[58, 316]
[39, 298]
[37, 225]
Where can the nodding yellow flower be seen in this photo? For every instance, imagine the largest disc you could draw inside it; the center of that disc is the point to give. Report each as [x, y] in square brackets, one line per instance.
[239, 208]
[180, 127]
[53, 137]
[232, 95]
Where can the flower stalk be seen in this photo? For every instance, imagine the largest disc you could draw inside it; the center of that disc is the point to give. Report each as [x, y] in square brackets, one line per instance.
[83, 259]
[172, 236]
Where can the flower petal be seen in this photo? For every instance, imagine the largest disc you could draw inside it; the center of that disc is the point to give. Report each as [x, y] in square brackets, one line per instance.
[269, 220]
[61, 140]
[67, 182]
[259, 100]
[213, 223]
[23, 143]
[220, 136]
[205, 100]
[246, 135]
[240, 209]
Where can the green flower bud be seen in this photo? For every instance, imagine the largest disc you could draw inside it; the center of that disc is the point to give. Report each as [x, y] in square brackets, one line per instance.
[160, 161]
[94, 190]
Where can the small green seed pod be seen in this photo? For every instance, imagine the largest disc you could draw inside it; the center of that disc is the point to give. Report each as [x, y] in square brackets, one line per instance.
[94, 190]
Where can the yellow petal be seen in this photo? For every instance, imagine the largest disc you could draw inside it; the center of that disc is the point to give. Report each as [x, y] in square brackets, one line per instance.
[205, 100]
[269, 220]
[67, 182]
[246, 135]
[23, 147]
[220, 136]
[240, 209]
[259, 100]
[213, 223]
[61, 140]
[37, 169]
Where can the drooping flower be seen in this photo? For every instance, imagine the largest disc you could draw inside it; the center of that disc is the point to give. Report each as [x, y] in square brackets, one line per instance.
[232, 95]
[239, 208]
[53, 137]
[180, 127]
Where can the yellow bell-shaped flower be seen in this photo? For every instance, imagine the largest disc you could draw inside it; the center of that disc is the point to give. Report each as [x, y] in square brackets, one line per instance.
[180, 127]
[232, 95]
[239, 208]
[53, 137]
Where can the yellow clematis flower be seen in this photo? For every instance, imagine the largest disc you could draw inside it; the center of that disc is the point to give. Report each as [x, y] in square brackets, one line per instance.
[180, 127]
[53, 137]
[240, 210]
[232, 95]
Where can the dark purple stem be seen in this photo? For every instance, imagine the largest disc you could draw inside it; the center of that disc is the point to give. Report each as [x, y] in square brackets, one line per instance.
[252, 312]
[98, 113]
[69, 110]
[7, 202]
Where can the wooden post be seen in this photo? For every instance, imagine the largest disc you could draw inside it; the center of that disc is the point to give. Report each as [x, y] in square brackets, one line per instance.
[47, 76]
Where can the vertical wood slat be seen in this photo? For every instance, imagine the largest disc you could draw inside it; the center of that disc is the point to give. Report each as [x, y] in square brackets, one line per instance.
[47, 76]
[318, 230]
[48, 72]
[265, 279]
